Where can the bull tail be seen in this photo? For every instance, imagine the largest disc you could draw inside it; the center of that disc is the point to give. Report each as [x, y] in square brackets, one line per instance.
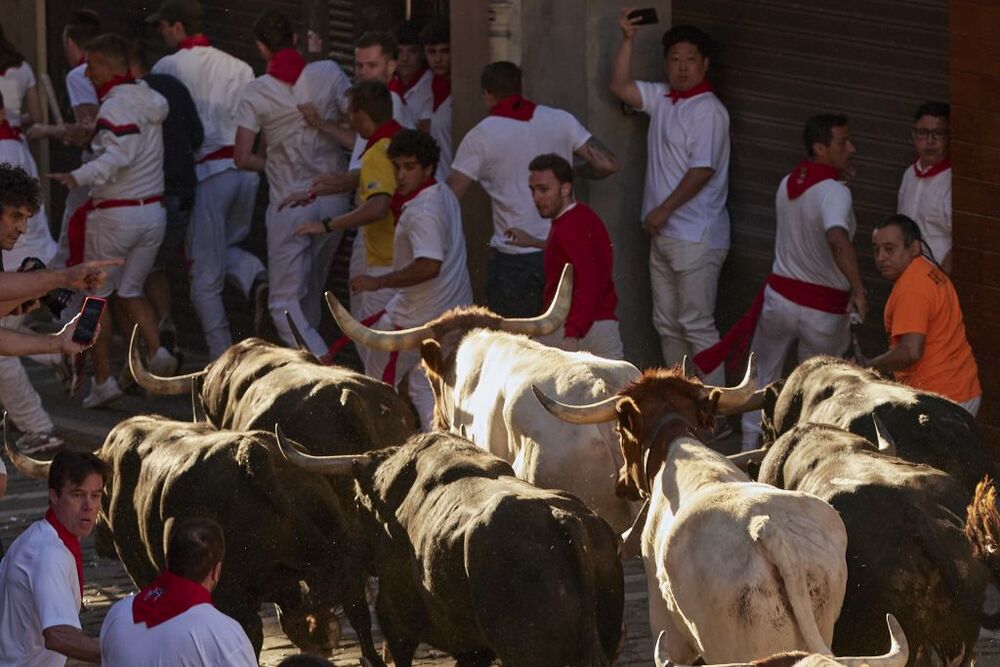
[782, 555]
[982, 527]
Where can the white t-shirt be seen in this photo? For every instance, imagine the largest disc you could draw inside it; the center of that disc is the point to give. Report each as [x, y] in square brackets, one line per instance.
[419, 98]
[200, 637]
[37, 239]
[928, 202]
[430, 226]
[497, 152]
[296, 153]
[400, 113]
[39, 589]
[215, 80]
[79, 88]
[441, 131]
[14, 85]
[801, 250]
[692, 133]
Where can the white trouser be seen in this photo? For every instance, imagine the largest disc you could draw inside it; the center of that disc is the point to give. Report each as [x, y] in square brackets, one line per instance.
[220, 220]
[298, 266]
[685, 277]
[972, 405]
[781, 323]
[366, 304]
[418, 386]
[603, 339]
[17, 395]
[130, 232]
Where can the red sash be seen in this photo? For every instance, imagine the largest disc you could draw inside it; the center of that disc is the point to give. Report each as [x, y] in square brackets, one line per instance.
[106, 87]
[224, 153]
[8, 131]
[386, 130]
[286, 65]
[441, 89]
[342, 342]
[71, 542]
[169, 595]
[514, 107]
[194, 40]
[76, 233]
[398, 201]
[933, 170]
[703, 87]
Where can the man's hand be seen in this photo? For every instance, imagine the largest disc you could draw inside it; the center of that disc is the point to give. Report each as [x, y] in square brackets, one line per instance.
[655, 221]
[310, 115]
[570, 344]
[41, 131]
[858, 303]
[67, 180]
[333, 184]
[65, 337]
[628, 26]
[310, 229]
[523, 239]
[364, 283]
[296, 199]
[88, 275]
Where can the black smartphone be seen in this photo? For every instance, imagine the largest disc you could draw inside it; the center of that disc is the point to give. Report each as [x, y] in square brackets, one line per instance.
[646, 16]
[90, 316]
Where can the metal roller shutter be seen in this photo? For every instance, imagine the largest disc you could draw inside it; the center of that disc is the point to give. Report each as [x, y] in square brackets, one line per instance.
[342, 33]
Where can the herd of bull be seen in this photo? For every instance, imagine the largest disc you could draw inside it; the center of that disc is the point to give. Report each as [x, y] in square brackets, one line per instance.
[499, 537]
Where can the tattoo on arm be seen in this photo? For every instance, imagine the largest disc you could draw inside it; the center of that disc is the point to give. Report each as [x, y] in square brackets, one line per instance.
[598, 160]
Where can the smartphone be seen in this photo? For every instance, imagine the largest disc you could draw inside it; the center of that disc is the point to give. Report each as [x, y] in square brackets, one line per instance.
[90, 316]
[646, 16]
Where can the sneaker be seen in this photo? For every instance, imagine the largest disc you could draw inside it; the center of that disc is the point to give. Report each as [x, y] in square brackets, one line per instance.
[37, 443]
[259, 293]
[102, 394]
[162, 363]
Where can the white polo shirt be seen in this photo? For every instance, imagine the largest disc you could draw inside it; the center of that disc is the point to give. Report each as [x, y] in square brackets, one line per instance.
[928, 202]
[14, 84]
[800, 247]
[400, 113]
[215, 80]
[79, 88]
[692, 133]
[419, 99]
[37, 239]
[430, 226]
[200, 637]
[39, 589]
[441, 132]
[497, 152]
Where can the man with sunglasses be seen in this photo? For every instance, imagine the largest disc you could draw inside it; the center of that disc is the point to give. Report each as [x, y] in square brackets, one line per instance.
[925, 193]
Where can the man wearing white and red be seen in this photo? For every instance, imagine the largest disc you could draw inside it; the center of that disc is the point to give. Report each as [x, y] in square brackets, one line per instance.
[925, 192]
[41, 575]
[224, 198]
[125, 215]
[412, 81]
[496, 152]
[436, 38]
[172, 621]
[296, 154]
[578, 237]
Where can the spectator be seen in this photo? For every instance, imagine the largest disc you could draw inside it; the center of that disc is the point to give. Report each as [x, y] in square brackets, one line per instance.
[18, 87]
[928, 349]
[578, 237]
[429, 275]
[925, 191]
[687, 182]
[172, 621]
[496, 152]
[412, 80]
[436, 38]
[41, 576]
[225, 196]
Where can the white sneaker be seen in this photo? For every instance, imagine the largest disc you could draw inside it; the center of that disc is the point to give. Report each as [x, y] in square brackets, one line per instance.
[102, 394]
[162, 363]
[36, 443]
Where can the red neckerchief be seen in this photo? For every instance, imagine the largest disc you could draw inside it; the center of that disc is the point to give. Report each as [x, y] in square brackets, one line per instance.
[441, 89]
[169, 595]
[386, 130]
[704, 87]
[400, 87]
[82, 60]
[933, 170]
[71, 541]
[807, 174]
[194, 40]
[286, 65]
[106, 87]
[515, 107]
[398, 201]
[8, 131]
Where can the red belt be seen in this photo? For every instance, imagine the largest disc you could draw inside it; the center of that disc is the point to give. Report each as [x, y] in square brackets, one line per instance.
[224, 153]
[76, 234]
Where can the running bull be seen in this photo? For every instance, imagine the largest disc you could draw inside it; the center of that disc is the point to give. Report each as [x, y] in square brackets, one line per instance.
[481, 368]
[736, 570]
[479, 563]
[287, 537]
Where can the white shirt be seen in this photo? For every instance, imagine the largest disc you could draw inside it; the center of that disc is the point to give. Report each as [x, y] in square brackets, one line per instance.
[692, 133]
[497, 152]
[79, 87]
[215, 80]
[801, 250]
[14, 85]
[296, 153]
[127, 145]
[927, 201]
[200, 637]
[441, 132]
[419, 98]
[39, 589]
[430, 226]
[400, 113]
[37, 239]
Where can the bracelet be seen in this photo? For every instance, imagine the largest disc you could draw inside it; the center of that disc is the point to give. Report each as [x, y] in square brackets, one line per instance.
[326, 224]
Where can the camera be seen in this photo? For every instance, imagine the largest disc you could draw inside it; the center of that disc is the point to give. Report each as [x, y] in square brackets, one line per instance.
[56, 300]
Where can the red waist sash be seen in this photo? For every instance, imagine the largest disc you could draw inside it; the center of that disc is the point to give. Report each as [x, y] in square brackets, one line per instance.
[224, 153]
[77, 232]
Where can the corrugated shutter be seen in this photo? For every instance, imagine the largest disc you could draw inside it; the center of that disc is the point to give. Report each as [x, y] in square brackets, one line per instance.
[779, 62]
[342, 33]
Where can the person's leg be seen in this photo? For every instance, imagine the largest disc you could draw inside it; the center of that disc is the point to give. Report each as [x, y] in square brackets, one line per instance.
[101, 351]
[206, 251]
[17, 394]
[157, 288]
[604, 340]
[419, 388]
[663, 281]
[822, 333]
[697, 285]
[242, 268]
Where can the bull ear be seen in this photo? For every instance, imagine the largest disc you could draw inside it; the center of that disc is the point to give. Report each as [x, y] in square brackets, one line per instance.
[430, 352]
[707, 407]
[629, 416]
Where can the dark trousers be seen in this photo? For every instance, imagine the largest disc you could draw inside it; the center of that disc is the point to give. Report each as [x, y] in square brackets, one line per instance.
[515, 284]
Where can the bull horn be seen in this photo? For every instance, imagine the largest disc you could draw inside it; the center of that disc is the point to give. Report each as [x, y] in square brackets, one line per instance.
[686, 367]
[154, 384]
[387, 341]
[595, 413]
[899, 650]
[732, 399]
[24, 464]
[744, 459]
[296, 334]
[552, 318]
[327, 465]
[886, 444]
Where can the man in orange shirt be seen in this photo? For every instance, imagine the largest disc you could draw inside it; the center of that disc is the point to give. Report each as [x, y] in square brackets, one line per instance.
[928, 349]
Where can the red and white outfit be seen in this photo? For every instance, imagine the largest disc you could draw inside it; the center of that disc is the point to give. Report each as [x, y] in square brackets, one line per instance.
[41, 586]
[124, 216]
[417, 95]
[925, 197]
[429, 225]
[172, 622]
[224, 198]
[296, 154]
[579, 238]
[687, 130]
[441, 124]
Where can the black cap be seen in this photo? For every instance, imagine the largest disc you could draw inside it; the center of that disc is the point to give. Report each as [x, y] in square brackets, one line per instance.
[185, 11]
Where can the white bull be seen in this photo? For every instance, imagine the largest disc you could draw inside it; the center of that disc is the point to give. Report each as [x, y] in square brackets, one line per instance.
[735, 570]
